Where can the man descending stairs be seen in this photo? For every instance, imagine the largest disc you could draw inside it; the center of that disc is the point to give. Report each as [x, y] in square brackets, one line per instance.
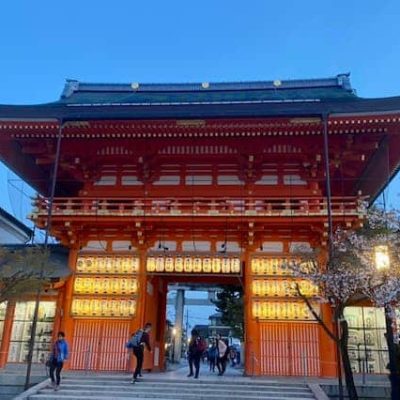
[114, 387]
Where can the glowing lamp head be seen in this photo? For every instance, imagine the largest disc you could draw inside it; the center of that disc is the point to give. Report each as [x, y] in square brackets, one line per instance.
[382, 261]
[174, 331]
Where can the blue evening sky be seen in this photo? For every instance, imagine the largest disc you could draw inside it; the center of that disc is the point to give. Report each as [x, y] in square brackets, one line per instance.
[43, 42]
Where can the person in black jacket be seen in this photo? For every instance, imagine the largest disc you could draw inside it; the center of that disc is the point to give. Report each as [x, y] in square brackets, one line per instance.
[195, 351]
[138, 342]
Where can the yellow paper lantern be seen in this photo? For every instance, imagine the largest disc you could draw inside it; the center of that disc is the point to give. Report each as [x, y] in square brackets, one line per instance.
[169, 264]
[188, 264]
[226, 265]
[207, 265]
[235, 265]
[197, 264]
[216, 265]
[151, 264]
[178, 264]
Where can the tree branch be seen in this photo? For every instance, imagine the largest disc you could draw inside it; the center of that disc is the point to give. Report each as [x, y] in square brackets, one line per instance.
[315, 315]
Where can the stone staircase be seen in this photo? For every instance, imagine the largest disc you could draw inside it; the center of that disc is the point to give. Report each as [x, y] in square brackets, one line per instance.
[105, 387]
[12, 379]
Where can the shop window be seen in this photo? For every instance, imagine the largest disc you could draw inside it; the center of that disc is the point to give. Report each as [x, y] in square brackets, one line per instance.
[367, 343]
[21, 331]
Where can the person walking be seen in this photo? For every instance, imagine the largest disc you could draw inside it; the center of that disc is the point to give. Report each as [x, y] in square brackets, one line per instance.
[138, 341]
[195, 351]
[212, 355]
[59, 354]
[222, 356]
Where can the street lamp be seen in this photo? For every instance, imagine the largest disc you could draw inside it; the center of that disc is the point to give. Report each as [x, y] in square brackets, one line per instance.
[173, 344]
[382, 264]
[382, 260]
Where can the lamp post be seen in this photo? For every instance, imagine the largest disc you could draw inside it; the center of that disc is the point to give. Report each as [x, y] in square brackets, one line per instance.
[382, 264]
[173, 345]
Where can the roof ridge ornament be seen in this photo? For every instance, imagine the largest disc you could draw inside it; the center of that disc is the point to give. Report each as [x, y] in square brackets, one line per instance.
[277, 82]
[71, 86]
[135, 85]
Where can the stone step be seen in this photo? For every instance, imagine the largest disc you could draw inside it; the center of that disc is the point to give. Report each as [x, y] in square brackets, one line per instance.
[104, 380]
[187, 393]
[60, 396]
[184, 386]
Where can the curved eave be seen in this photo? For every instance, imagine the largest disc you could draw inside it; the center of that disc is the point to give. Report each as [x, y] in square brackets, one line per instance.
[75, 112]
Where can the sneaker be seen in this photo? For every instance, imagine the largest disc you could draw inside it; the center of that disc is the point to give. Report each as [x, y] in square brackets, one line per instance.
[57, 388]
[190, 375]
[53, 385]
[133, 381]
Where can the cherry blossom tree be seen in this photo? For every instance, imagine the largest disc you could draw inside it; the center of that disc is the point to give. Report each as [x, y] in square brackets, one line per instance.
[362, 263]
[22, 271]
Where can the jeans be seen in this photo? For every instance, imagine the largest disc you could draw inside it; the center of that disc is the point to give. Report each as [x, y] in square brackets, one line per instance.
[56, 366]
[139, 353]
[194, 360]
[221, 364]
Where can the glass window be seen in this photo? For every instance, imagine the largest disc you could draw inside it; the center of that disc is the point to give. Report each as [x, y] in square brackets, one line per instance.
[21, 331]
[367, 343]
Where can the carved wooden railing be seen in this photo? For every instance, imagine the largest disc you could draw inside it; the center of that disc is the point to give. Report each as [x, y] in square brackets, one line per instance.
[200, 207]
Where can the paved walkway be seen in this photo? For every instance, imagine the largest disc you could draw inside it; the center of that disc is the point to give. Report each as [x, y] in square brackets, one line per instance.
[180, 371]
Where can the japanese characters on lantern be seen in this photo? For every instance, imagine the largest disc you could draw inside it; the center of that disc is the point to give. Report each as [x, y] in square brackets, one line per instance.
[103, 307]
[273, 289]
[111, 283]
[276, 310]
[107, 265]
[193, 264]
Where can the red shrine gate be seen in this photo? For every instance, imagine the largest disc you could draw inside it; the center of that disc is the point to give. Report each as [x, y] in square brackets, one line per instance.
[232, 176]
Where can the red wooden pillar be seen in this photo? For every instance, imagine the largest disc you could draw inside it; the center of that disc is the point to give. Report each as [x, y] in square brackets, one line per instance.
[8, 324]
[67, 322]
[59, 312]
[162, 312]
[327, 345]
[252, 365]
[138, 320]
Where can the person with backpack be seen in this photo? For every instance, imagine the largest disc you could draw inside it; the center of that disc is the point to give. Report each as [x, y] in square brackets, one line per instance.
[195, 351]
[138, 341]
[222, 357]
[58, 355]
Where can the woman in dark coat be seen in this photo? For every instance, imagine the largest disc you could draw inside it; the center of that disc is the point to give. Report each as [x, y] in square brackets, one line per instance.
[195, 352]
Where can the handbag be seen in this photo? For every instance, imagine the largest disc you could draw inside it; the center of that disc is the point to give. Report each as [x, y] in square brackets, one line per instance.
[49, 361]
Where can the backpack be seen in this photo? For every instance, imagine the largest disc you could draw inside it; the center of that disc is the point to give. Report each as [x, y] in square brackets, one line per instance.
[136, 340]
[201, 345]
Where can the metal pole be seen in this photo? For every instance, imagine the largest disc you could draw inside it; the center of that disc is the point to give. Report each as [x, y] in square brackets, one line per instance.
[330, 232]
[46, 240]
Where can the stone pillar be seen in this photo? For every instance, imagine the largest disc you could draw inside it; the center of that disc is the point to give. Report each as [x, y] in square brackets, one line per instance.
[179, 310]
